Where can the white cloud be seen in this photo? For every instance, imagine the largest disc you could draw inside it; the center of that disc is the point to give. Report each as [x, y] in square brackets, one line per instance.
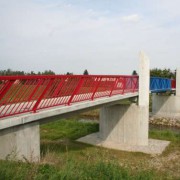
[131, 18]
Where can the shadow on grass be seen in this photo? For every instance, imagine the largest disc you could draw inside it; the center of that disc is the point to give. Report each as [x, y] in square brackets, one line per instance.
[62, 146]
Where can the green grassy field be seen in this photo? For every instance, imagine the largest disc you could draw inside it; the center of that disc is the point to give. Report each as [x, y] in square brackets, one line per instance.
[64, 158]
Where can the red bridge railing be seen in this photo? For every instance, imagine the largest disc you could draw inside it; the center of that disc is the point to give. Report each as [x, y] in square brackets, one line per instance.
[173, 83]
[21, 94]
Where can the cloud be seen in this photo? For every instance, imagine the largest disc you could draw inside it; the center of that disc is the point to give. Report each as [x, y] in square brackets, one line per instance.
[131, 18]
[68, 37]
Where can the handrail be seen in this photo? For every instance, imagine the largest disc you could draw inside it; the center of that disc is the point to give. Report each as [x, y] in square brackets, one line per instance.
[22, 94]
[158, 84]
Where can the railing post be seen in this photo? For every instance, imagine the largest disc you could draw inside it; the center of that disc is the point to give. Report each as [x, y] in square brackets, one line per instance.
[76, 90]
[42, 95]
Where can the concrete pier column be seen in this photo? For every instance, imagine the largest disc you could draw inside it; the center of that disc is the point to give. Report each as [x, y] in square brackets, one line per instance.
[124, 124]
[144, 78]
[167, 105]
[128, 124]
[20, 143]
[178, 82]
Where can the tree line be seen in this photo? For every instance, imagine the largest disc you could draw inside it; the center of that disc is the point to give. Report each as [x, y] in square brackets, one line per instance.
[164, 73]
[155, 72]
[10, 72]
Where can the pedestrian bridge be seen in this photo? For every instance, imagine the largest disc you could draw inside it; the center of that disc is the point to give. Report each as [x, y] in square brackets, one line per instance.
[23, 94]
[27, 101]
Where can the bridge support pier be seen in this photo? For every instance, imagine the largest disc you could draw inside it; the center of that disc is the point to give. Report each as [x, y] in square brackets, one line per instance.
[167, 105]
[20, 143]
[129, 124]
[124, 124]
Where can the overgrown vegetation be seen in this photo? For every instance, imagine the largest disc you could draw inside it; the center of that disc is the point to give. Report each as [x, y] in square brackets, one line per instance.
[64, 158]
[164, 73]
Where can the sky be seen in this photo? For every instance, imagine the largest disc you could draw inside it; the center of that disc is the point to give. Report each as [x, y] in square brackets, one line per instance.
[102, 36]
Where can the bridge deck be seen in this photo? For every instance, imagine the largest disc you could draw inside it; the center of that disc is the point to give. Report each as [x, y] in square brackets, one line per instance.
[23, 94]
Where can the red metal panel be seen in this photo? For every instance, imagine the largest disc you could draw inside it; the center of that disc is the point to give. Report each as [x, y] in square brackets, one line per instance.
[5, 88]
[42, 95]
[173, 83]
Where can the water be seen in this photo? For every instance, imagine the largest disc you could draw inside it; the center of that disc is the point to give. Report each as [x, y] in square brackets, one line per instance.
[151, 126]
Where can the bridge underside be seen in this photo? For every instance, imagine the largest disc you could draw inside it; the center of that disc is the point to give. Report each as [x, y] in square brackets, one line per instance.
[19, 136]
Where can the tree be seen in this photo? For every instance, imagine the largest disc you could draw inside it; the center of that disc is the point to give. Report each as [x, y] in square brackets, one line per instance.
[134, 73]
[48, 72]
[10, 72]
[68, 73]
[85, 72]
[165, 73]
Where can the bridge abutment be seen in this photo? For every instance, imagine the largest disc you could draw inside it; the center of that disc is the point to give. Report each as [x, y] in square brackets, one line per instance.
[129, 123]
[20, 143]
[167, 105]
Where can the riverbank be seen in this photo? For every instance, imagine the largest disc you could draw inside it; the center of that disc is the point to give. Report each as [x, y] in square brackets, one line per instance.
[170, 122]
[153, 120]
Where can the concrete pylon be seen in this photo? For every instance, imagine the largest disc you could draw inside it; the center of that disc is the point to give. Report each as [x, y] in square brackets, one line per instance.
[144, 78]
[128, 124]
[178, 82]
[168, 105]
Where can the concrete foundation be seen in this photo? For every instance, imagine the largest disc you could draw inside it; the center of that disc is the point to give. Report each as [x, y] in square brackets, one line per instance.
[154, 146]
[125, 127]
[166, 106]
[20, 142]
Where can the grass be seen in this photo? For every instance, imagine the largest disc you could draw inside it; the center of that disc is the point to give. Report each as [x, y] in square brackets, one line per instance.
[72, 170]
[70, 129]
[64, 158]
[169, 135]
